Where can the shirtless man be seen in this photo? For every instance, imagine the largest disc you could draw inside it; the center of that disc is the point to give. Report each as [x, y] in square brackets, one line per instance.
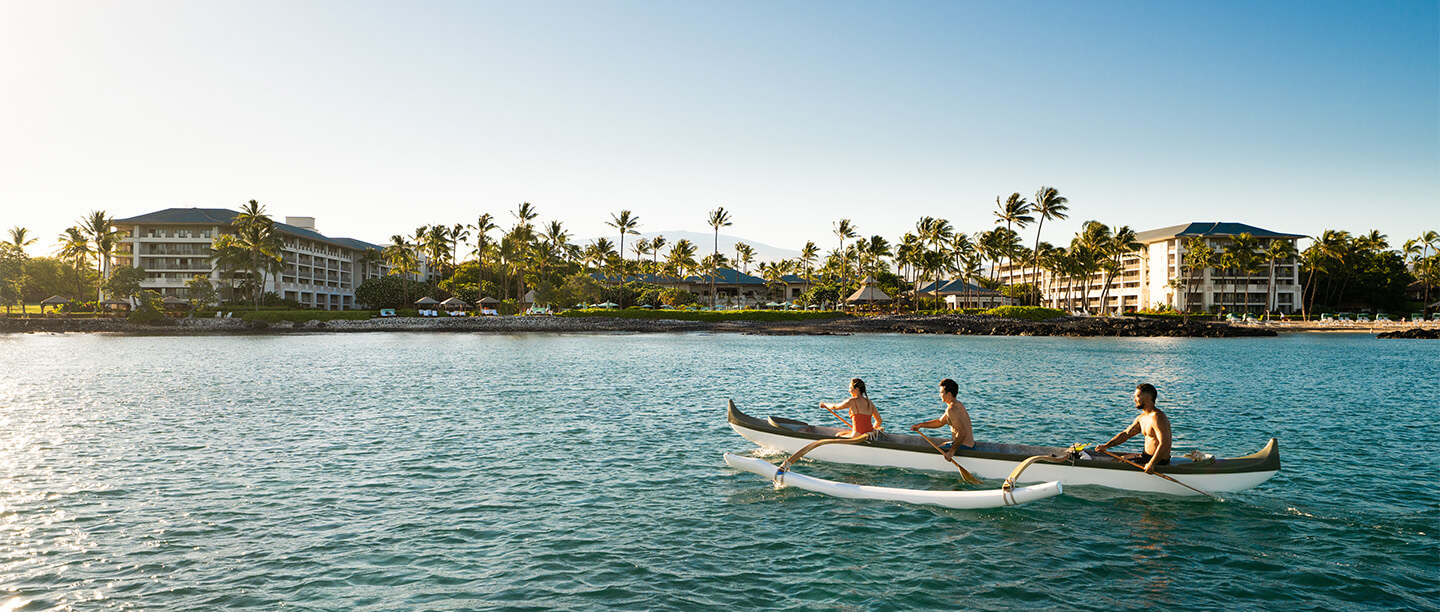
[1153, 424]
[961, 435]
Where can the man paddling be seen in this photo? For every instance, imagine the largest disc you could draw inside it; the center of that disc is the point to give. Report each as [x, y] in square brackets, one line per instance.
[961, 434]
[1153, 424]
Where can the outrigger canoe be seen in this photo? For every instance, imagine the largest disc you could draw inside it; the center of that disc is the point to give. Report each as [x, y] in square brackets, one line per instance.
[997, 461]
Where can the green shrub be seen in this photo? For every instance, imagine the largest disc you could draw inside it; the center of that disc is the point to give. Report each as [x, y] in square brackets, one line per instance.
[1027, 313]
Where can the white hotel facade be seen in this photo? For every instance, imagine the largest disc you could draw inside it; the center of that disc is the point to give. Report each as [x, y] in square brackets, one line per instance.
[173, 246]
[1156, 275]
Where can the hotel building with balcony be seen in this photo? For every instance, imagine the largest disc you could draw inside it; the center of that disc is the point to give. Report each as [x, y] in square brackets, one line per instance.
[1156, 275]
[173, 245]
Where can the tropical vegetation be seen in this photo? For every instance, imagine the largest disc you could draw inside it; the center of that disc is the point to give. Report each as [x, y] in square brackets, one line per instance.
[507, 259]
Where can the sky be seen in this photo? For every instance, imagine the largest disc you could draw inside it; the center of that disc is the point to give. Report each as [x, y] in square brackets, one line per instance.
[379, 117]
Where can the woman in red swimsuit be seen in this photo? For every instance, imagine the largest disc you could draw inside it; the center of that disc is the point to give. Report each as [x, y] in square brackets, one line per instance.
[861, 410]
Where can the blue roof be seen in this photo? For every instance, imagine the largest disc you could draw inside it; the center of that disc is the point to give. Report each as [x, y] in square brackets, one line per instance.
[1209, 229]
[955, 286]
[225, 216]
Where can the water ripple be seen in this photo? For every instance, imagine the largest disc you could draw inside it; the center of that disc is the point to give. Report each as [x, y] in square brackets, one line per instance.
[571, 471]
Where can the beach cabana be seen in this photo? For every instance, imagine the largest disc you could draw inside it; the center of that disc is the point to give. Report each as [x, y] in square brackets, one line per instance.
[488, 304]
[53, 300]
[868, 293]
[455, 305]
[529, 299]
[423, 305]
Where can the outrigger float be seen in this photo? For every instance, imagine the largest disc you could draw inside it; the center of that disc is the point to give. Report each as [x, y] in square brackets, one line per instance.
[1054, 466]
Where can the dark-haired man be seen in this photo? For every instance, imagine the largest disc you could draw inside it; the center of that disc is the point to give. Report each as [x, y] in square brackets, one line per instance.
[1153, 424]
[961, 435]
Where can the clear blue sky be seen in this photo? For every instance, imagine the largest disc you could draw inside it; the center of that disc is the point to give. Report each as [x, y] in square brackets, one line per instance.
[377, 117]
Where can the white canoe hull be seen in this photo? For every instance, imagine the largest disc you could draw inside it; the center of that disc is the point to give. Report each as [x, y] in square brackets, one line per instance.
[965, 500]
[998, 466]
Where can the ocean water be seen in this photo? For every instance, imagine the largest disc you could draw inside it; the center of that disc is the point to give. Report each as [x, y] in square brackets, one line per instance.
[398, 471]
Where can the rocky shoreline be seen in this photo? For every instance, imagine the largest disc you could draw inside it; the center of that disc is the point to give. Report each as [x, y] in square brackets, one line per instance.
[1414, 333]
[970, 325]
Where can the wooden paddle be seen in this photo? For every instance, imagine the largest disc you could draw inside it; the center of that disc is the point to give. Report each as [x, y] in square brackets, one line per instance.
[785, 466]
[964, 473]
[1142, 468]
[837, 415]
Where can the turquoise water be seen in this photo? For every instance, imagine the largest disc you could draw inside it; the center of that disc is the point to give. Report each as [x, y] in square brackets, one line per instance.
[459, 471]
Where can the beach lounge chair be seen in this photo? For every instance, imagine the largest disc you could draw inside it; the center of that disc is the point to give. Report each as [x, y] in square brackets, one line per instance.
[387, 312]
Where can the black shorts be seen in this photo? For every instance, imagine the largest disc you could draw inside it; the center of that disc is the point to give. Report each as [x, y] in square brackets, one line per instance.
[1145, 460]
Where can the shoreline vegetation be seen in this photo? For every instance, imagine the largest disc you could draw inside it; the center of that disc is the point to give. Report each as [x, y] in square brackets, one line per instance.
[645, 321]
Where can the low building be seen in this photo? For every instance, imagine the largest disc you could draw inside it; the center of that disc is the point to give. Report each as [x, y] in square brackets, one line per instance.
[959, 294]
[1157, 276]
[174, 245]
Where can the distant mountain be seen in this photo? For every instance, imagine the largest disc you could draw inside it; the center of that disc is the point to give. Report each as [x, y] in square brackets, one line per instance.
[704, 243]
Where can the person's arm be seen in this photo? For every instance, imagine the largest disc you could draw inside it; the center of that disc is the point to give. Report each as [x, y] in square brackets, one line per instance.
[1121, 437]
[1162, 440]
[930, 424]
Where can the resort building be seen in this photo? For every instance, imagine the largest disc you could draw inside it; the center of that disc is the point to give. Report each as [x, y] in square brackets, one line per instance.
[1156, 276]
[173, 246]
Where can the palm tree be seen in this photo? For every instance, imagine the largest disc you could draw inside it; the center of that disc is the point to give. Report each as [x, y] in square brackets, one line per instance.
[1278, 250]
[97, 227]
[1116, 246]
[626, 223]
[255, 235]
[75, 249]
[744, 256]
[1424, 243]
[641, 248]
[656, 243]
[228, 257]
[557, 237]
[401, 256]
[436, 243]
[1049, 204]
[368, 259]
[844, 229]
[524, 214]
[19, 239]
[1015, 210]
[718, 218]
[681, 261]
[458, 233]
[937, 233]
[482, 228]
[1241, 257]
[1199, 256]
[598, 254]
[808, 253]
[876, 250]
